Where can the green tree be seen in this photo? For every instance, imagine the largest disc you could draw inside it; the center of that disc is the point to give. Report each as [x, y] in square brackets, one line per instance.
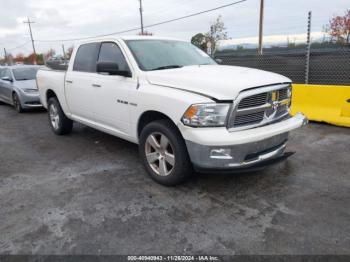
[199, 40]
[40, 59]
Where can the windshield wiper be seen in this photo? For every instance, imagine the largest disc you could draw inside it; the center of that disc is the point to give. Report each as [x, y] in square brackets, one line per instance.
[166, 67]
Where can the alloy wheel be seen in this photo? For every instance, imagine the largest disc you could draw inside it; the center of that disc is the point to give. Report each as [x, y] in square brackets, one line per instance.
[54, 117]
[159, 153]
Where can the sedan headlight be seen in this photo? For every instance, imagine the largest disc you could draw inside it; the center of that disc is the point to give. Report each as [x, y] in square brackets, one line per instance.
[29, 90]
[206, 115]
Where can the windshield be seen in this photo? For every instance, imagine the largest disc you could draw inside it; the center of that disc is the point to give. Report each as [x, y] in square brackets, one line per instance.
[25, 73]
[166, 54]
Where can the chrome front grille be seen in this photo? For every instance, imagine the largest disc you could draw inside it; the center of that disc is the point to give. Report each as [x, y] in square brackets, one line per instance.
[255, 100]
[260, 106]
[283, 94]
[252, 118]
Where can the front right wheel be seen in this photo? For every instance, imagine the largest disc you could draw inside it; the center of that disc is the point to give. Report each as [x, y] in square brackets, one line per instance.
[164, 154]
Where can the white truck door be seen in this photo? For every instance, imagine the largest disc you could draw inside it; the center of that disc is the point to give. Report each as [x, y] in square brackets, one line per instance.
[112, 92]
[79, 81]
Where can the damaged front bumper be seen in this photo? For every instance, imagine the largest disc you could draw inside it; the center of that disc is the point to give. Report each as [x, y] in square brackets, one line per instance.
[219, 149]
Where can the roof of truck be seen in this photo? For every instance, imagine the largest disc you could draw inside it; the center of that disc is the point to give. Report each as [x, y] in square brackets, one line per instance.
[142, 37]
[130, 37]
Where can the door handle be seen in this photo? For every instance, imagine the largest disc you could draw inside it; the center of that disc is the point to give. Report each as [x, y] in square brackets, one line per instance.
[69, 81]
[96, 85]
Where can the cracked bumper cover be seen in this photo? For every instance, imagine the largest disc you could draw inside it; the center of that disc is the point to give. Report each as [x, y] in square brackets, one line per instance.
[241, 149]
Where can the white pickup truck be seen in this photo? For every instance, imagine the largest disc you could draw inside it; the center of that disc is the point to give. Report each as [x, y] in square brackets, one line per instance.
[184, 110]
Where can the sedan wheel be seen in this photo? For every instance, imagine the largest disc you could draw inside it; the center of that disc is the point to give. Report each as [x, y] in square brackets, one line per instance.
[17, 103]
[160, 154]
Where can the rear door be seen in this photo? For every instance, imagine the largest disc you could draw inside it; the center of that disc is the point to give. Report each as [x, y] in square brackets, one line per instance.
[2, 71]
[79, 81]
[111, 93]
[6, 87]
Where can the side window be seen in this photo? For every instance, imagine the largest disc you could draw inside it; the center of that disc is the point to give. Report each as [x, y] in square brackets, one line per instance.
[110, 52]
[5, 73]
[8, 73]
[85, 59]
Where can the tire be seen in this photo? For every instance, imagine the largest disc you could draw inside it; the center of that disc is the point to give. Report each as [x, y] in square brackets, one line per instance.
[17, 103]
[59, 122]
[164, 154]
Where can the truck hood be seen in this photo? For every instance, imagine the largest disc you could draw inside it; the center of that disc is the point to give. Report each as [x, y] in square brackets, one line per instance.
[216, 81]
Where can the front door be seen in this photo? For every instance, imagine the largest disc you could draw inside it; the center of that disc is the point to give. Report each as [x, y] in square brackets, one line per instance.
[111, 92]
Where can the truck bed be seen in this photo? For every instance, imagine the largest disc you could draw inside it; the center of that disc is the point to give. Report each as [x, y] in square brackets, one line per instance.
[50, 79]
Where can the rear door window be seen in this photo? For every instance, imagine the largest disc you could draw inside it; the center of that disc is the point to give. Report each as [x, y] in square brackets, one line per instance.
[86, 57]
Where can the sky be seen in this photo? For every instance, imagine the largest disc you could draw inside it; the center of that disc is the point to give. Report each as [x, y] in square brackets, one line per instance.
[64, 19]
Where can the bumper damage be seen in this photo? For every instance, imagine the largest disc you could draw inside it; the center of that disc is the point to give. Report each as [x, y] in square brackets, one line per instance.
[255, 148]
[236, 156]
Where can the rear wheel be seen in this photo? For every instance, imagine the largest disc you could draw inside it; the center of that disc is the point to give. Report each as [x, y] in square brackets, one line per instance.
[17, 103]
[164, 153]
[59, 122]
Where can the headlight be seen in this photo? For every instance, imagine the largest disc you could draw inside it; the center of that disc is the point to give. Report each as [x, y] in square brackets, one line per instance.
[206, 115]
[28, 90]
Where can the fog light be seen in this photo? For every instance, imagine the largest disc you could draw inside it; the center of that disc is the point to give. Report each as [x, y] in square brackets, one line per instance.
[220, 153]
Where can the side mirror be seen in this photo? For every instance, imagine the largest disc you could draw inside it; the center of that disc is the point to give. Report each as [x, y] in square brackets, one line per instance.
[219, 61]
[6, 78]
[111, 68]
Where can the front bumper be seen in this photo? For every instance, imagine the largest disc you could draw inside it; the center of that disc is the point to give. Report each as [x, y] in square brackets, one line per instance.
[217, 148]
[30, 100]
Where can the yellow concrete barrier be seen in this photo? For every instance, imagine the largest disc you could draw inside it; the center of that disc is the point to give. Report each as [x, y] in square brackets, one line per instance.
[323, 103]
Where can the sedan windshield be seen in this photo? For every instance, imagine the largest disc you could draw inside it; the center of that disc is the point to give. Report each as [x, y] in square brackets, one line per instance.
[167, 54]
[21, 74]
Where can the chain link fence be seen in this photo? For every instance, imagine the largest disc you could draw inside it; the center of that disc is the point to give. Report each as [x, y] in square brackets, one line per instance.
[328, 65]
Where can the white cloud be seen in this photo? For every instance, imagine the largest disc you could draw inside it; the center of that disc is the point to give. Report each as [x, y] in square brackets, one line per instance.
[273, 39]
[79, 18]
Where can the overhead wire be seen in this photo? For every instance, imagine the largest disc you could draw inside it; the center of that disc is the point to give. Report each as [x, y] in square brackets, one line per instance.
[147, 26]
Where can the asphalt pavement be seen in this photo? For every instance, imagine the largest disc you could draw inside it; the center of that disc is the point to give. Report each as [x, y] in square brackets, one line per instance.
[87, 193]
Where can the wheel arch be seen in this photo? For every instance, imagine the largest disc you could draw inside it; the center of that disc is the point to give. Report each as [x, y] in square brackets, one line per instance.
[150, 116]
[14, 92]
[49, 94]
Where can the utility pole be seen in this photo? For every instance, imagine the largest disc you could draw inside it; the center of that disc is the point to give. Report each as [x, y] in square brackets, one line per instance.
[260, 51]
[5, 53]
[141, 16]
[31, 36]
[308, 48]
